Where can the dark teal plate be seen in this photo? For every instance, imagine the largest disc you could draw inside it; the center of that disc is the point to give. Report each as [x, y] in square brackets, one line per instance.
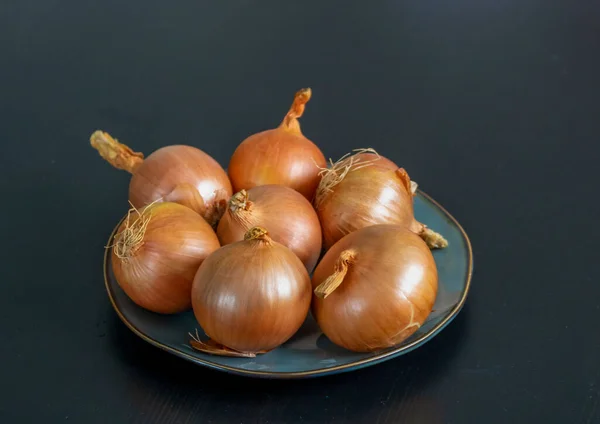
[309, 353]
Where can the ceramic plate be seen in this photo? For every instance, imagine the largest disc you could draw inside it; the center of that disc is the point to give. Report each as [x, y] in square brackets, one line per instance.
[309, 352]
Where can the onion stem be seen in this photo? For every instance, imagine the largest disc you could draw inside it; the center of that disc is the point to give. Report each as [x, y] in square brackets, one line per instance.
[258, 233]
[290, 122]
[240, 200]
[340, 270]
[434, 240]
[118, 155]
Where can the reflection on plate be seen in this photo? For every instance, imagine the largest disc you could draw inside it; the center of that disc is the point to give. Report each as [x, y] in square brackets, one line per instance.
[309, 353]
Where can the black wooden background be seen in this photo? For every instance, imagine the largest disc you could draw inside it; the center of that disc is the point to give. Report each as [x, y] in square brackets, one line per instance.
[491, 105]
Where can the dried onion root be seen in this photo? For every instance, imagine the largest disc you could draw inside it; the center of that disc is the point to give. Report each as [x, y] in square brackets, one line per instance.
[156, 253]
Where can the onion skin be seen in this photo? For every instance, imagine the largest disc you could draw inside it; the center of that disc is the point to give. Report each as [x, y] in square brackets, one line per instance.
[177, 173]
[286, 214]
[252, 295]
[282, 155]
[377, 160]
[387, 292]
[157, 273]
[372, 191]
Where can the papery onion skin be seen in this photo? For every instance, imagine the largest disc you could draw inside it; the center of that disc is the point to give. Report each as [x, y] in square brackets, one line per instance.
[157, 273]
[286, 214]
[252, 295]
[282, 155]
[386, 294]
[178, 173]
[373, 191]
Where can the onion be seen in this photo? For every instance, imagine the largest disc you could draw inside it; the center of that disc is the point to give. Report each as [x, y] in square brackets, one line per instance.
[157, 252]
[374, 288]
[250, 296]
[288, 216]
[279, 156]
[366, 189]
[178, 173]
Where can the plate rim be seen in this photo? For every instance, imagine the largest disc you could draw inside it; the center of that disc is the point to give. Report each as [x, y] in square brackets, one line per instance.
[309, 373]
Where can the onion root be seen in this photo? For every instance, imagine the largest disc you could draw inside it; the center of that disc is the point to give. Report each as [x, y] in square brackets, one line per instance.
[128, 241]
[332, 176]
[340, 270]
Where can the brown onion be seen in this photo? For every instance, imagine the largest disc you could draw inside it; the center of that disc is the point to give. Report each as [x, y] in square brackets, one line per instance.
[374, 288]
[178, 173]
[286, 214]
[282, 155]
[366, 189]
[251, 296]
[156, 254]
